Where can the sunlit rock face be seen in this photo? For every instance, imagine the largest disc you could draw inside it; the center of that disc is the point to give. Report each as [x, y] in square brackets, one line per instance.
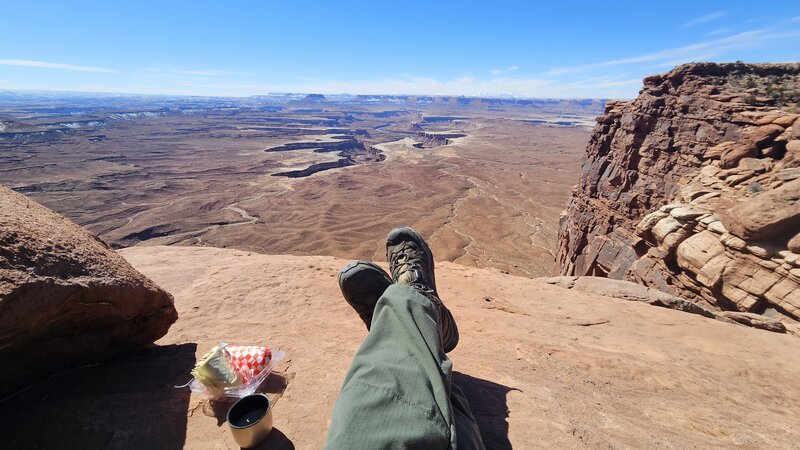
[66, 298]
[693, 188]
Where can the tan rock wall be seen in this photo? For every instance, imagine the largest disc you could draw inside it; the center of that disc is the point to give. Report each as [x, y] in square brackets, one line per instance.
[694, 189]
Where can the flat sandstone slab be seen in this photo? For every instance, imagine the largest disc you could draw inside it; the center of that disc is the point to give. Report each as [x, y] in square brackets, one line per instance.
[543, 366]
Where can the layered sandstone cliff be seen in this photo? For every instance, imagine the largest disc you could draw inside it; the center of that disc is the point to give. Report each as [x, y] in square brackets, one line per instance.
[694, 189]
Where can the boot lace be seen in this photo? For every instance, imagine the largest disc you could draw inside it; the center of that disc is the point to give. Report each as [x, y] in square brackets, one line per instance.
[408, 263]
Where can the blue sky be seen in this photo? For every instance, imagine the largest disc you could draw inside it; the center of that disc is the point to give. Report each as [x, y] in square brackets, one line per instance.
[525, 48]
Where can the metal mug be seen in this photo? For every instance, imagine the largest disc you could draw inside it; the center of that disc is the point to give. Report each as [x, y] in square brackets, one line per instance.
[250, 420]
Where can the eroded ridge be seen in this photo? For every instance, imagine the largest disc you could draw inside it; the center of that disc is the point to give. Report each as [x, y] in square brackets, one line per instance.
[694, 189]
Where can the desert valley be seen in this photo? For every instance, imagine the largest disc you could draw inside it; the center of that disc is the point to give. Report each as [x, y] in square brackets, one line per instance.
[304, 174]
[624, 273]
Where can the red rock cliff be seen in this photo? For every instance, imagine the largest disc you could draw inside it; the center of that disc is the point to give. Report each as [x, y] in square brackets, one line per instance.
[693, 189]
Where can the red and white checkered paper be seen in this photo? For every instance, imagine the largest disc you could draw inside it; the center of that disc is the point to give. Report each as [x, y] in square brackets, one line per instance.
[249, 361]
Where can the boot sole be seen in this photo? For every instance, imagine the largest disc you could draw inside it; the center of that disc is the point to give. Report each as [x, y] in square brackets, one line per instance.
[364, 290]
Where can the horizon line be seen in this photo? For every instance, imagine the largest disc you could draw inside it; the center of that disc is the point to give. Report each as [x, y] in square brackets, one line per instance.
[140, 94]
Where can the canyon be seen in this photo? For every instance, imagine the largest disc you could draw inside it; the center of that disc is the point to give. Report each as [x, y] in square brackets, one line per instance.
[321, 176]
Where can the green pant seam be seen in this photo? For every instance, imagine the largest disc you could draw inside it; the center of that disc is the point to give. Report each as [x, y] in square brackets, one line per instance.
[437, 420]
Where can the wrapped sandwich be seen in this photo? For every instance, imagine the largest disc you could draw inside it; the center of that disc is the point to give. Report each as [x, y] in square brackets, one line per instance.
[215, 370]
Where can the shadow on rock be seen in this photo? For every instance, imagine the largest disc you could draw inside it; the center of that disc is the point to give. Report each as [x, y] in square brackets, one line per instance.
[127, 402]
[276, 441]
[274, 387]
[489, 404]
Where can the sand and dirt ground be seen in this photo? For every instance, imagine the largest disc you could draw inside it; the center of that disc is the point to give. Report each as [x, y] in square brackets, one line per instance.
[543, 367]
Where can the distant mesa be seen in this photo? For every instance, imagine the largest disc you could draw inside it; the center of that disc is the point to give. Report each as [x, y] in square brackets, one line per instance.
[314, 168]
[441, 119]
[351, 152]
[435, 139]
[342, 143]
[314, 98]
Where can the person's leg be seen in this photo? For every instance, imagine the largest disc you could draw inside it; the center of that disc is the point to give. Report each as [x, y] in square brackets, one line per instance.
[397, 392]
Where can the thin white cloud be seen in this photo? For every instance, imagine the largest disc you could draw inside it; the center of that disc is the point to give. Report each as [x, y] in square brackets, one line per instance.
[708, 49]
[52, 65]
[607, 78]
[722, 30]
[423, 86]
[202, 73]
[670, 63]
[498, 72]
[704, 19]
[609, 87]
[197, 72]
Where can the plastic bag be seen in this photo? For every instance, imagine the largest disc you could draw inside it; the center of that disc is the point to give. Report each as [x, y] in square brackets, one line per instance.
[215, 370]
[233, 370]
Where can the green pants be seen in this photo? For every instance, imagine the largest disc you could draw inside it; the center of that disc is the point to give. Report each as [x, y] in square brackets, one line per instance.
[398, 391]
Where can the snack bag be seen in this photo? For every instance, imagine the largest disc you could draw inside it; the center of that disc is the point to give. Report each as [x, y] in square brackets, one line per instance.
[248, 361]
[233, 370]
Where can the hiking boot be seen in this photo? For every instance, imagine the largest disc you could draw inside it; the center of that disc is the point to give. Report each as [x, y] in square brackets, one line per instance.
[411, 263]
[362, 284]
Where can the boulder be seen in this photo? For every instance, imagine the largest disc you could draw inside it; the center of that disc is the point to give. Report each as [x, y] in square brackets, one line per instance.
[65, 298]
[747, 276]
[716, 151]
[730, 158]
[687, 213]
[664, 227]
[788, 174]
[767, 215]
[786, 120]
[786, 295]
[794, 243]
[710, 275]
[672, 240]
[717, 227]
[696, 251]
[764, 135]
[731, 241]
[754, 139]
[649, 221]
[756, 321]
[767, 118]
[752, 165]
[793, 146]
[792, 156]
